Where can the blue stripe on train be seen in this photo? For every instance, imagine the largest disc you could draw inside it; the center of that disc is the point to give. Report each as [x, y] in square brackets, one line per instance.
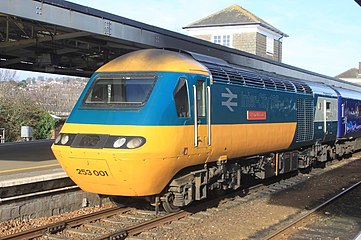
[230, 104]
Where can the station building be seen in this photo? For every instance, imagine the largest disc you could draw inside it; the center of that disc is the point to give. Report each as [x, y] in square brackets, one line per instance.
[352, 75]
[235, 27]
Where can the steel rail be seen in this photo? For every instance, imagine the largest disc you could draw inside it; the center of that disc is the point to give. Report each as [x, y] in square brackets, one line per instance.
[141, 227]
[55, 227]
[308, 213]
[119, 234]
[144, 226]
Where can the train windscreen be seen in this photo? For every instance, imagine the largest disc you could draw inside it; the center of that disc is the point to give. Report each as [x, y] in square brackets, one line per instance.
[119, 91]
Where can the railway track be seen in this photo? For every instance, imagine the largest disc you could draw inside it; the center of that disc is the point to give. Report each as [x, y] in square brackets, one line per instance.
[48, 230]
[291, 230]
[118, 223]
[113, 223]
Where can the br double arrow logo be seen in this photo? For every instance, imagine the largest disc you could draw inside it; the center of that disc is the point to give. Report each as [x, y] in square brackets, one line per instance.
[229, 104]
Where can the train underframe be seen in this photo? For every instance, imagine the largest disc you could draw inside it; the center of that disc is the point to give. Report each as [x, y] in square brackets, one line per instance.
[194, 183]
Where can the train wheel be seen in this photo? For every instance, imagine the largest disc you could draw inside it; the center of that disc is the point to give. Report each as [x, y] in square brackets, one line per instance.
[167, 203]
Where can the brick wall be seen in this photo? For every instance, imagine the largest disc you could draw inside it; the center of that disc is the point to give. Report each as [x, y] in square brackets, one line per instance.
[252, 42]
[245, 42]
[277, 51]
[47, 206]
[261, 48]
[204, 37]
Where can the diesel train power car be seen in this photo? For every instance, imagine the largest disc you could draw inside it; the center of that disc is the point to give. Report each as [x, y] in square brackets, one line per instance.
[173, 126]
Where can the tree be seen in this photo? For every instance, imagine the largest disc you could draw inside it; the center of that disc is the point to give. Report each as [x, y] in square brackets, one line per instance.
[18, 109]
[28, 103]
[44, 126]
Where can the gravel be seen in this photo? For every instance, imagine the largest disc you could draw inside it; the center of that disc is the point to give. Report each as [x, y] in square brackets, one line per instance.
[257, 218]
[18, 225]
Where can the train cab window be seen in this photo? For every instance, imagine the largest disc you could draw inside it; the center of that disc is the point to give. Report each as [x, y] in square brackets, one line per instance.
[328, 106]
[201, 98]
[359, 110]
[119, 91]
[181, 98]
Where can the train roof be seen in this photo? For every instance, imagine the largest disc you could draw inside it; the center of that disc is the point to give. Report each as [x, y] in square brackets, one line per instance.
[223, 72]
[155, 60]
[346, 93]
[322, 89]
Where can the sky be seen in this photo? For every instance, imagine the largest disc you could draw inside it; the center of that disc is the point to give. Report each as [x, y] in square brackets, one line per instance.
[324, 35]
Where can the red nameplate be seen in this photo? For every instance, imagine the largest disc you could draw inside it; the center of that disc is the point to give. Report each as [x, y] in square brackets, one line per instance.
[256, 115]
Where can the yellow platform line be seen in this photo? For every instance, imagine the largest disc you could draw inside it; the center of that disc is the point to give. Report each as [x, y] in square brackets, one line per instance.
[29, 168]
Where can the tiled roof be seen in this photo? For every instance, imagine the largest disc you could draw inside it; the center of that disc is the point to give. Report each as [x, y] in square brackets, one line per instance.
[351, 73]
[232, 15]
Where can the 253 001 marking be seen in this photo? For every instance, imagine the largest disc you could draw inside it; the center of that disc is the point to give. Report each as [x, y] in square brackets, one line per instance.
[97, 173]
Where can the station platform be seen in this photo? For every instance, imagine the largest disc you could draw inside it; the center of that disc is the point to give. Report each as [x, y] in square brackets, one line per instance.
[33, 184]
[28, 167]
[41, 173]
[19, 155]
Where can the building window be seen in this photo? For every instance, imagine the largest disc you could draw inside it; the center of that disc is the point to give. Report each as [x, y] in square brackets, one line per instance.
[270, 45]
[224, 40]
[217, 39]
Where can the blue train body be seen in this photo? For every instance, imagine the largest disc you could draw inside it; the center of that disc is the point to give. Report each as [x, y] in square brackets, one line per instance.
[349, 117]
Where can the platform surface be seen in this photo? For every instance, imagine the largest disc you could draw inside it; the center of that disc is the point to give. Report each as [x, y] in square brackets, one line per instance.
[28, 162]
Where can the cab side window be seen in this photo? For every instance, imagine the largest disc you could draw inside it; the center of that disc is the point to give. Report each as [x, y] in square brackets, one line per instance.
[181, 98]
[328, 106]
[201, 98]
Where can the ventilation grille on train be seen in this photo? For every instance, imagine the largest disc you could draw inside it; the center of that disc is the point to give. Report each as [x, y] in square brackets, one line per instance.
[244, 77]
[305, 128]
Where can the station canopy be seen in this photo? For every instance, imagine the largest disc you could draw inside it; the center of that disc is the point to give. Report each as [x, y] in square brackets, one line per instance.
[57, 36]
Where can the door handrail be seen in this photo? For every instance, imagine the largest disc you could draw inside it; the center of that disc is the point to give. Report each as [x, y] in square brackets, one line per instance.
[195, 116]
[209, 114]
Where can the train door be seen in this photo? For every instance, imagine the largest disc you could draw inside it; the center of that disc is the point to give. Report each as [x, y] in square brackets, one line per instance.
[330, 118]
[202, 116]
[326, 113]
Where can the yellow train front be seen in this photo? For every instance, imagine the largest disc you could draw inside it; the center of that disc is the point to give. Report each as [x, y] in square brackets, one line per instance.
[130, 131]
[151, 123]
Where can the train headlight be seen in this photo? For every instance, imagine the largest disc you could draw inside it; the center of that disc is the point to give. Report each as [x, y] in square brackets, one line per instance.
[119, 142]
[135, 142]
[64, 139]
[57, 140]
[124, 142]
